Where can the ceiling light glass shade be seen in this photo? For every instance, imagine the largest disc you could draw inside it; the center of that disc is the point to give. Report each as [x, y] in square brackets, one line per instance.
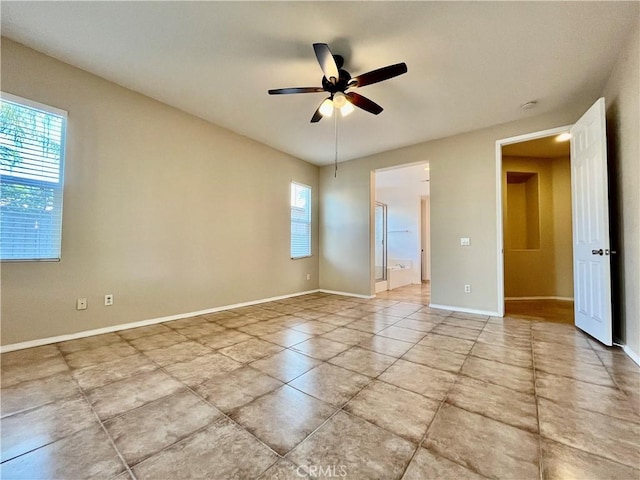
[346, 109]
[339, 100]
[326, 108]
[563, 137]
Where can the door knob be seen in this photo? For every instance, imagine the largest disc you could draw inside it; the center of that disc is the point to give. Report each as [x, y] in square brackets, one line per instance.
[597, 252]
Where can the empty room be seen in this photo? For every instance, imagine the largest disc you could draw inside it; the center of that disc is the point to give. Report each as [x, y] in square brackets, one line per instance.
[281, 240]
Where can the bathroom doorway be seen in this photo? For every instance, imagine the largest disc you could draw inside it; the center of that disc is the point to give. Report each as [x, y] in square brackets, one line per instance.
[380, 242]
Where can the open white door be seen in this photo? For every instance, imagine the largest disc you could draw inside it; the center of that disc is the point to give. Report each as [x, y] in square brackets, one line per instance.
[590, 206]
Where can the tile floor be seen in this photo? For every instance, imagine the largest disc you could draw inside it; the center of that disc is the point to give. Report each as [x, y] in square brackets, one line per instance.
[333, 386]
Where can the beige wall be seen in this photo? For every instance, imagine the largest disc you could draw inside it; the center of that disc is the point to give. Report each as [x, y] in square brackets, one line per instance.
[622, 97]
[463, 204]
[545, 271]
[169, 213]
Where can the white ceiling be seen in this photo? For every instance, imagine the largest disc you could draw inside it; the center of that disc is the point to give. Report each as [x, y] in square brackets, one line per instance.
[413, 178]
[471, 64]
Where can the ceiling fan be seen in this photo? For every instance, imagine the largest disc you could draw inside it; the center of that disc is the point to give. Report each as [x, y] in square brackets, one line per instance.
[337, 81]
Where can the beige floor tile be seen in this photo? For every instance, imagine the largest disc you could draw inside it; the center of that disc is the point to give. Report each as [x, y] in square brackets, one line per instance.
[331, 384]
[561, 462]
[510, 376]
[23, 357]
[88, 343]
[573, 393]
[493, 401]
[504, 452]
[418, 325]
[87, 454]
[370, 326]
[520, 330]
[118, 397]
[285, 365]
[200, 369]
[428, 465]
[520, 357]
[560, 353]
[236, 388]
[427, 316]
[146, 430]
[569, 337]
[224, 339]
[180, 352]
[222, 450]
[287, 337]
[347, 336]
[320, 348]
[456, 331]
[261, 328]
[251, 350]
[107, 353]
[337, 320]
[134, 333]
[457, 321]
[444, 342]
[609, 437]
[98, 375]
[34, 393]
[404, 334]
[616, 360]
[283, 418]
[237, 321]
[13, 373]
[34, 428]
[400, 411]
[386, 346]
[160, 340]
[504, 339]
[366, 362]
[188, 322]
[314, 327]
[284, 470]
[580, 371]
[194, 332]
[436, 358]
[355, 448]
[420, 379]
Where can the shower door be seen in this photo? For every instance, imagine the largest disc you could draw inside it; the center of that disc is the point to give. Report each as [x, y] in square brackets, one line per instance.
[381, 242]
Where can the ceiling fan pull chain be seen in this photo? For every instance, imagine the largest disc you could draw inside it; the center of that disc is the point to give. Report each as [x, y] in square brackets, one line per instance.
[335, 131]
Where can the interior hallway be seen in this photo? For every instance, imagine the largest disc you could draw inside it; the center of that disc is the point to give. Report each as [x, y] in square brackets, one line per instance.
[383, 388]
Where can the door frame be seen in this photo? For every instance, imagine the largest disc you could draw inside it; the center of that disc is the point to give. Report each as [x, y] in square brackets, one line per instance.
[499, 230]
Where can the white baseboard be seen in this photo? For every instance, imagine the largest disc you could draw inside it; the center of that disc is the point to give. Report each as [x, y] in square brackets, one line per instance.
[346, 294]
[631, 354]
[143, 323]
[566, 299]
[464, 310]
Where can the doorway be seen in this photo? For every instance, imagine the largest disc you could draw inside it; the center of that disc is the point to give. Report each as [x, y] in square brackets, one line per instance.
[535, 226]
[380, 263]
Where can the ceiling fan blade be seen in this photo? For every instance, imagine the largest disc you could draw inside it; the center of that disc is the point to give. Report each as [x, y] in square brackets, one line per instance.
[384, 73]
[317, 116]
[364, 103]
[285, 91]
[326, 61]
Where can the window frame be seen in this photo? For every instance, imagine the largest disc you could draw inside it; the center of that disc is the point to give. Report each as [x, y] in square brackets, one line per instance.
[291, 220]
[59, 186]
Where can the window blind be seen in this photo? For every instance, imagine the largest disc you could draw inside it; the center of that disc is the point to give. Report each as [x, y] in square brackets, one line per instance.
[300, 220]
[32, 139]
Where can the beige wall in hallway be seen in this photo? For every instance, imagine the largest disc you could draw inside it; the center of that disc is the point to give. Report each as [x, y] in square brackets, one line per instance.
[547, 269]
[463, 204]
[169, 213]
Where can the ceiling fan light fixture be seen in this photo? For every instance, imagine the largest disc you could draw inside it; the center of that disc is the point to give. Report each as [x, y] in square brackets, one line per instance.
[326, 109]
[346, 109]
[339, 100]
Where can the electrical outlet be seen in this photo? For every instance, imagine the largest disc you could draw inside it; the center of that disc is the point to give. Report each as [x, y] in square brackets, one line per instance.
[465, 241]
[108, 299]
[467, 289]
[308, 276]
[81, 304]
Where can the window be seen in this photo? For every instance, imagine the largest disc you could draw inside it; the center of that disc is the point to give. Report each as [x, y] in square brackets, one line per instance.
[300, 220]
[31, 179]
